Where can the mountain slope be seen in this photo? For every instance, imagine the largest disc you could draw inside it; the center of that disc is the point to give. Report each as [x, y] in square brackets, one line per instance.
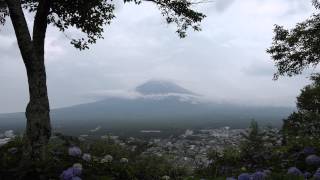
[161, 105]
[156, 87]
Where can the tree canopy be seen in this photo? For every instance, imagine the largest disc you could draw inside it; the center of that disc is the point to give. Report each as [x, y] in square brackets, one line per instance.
[90, 17]
[294, 50]
[304, 124]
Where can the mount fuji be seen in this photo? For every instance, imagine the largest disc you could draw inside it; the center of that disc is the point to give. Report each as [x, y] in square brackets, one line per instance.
[158, 104]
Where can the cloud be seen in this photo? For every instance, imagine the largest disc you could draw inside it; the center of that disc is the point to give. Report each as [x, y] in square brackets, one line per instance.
[260, 69]
[114, 93]
[225, 62]
[222, 5]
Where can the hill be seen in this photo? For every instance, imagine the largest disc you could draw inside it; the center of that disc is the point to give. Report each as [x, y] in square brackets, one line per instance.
[161, 105]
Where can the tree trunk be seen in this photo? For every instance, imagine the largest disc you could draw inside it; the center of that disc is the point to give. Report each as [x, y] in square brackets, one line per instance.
[38, 129]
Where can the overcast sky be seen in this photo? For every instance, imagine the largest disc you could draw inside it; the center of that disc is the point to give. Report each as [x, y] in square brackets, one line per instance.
[226, 62]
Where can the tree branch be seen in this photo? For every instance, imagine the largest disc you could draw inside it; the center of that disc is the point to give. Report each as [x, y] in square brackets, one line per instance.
[21, 29]
[40, 26]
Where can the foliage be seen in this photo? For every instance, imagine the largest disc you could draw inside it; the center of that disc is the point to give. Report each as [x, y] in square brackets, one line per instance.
[3, 12]
[295, 147]
[224, 163]
[296, 49]
[138, 166]
[90, 17]
[303, 127]
[252, 146]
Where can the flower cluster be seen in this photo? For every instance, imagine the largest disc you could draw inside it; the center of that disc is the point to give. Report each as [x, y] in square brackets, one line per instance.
[72, 173]
[107, 159]
[307, 175]
[75, 151]
[259, 175]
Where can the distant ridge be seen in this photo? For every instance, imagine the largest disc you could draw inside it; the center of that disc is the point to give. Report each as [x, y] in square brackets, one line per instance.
[160, 105]
[161, 87]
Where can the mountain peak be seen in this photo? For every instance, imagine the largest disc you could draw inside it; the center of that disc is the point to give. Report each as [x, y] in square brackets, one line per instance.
[158, 87]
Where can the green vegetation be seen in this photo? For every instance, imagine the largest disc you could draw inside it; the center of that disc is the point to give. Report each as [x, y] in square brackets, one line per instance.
[135, 167]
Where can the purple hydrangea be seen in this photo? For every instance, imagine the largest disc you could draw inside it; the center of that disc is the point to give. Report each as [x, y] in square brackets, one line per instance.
[72, 173]
[294, 171]
[309, 150]
[313, 160]
[316, 175]
[77, 169]
[74, 151]
[307, 175]
[76, 178]
[258, 176]
[244, 176]
[67, 174]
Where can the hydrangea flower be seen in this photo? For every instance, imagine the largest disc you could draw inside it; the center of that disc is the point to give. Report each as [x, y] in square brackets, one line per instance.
[165, 177]
[74, 151]
[316, 175]
[124, 160]
[307, 175]
[76, 178]
[294, 171]
[313, 160]
[72, 173]
[86, 157]
[309, 150]
[77, 169]
[258, 176]
[67, 174]
[244, 176]
[106, 159]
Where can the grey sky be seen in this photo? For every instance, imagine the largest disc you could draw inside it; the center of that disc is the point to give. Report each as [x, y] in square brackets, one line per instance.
[226, 62]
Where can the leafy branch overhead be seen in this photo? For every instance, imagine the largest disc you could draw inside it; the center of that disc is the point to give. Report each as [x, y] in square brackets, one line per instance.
[3, 12]
[297, 49]
[90, 17]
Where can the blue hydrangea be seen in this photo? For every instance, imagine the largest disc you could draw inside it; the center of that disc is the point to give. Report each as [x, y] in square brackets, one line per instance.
[309, 150]
[67, 174]
[72, 173]
[316, 175]
[313, 160]
[244, 176]
[74, 151]
[307, 175]
[294, 171]
[258, 176]
[77, 169]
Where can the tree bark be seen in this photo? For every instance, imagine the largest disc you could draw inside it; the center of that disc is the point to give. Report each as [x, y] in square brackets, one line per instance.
[38, 129]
